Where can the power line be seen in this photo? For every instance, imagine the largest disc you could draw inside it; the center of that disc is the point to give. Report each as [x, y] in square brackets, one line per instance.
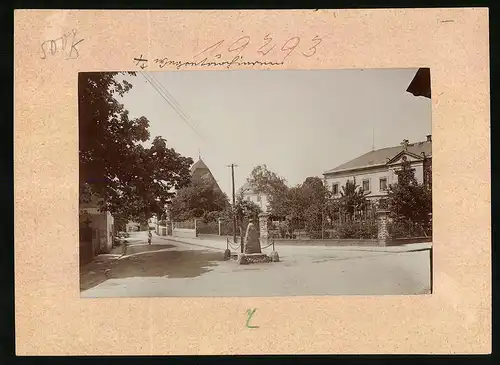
[171, 104]
[173, 100]
[167, 99]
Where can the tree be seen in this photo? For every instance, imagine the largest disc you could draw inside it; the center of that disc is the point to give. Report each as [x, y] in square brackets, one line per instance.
[198, 200]
[264, 181]
[303, 205]
[408, 200]
[245, 210]
[352, 199]
[316, 194]
[131, 181]
[268, 183]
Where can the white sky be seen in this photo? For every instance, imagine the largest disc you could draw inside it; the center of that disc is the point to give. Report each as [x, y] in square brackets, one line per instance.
[298, 122]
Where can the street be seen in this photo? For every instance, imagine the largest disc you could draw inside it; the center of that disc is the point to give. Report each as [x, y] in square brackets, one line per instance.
[174, 269]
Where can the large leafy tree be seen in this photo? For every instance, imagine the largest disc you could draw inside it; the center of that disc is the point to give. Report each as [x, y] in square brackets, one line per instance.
[266, 182]
[198, 200]
[317, 195]
[130, 180]
[303, 204]
[352, 199]
[409, 200]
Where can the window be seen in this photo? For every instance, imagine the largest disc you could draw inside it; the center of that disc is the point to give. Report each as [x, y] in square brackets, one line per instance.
[335, 189]
[366, 185]
[383, 183]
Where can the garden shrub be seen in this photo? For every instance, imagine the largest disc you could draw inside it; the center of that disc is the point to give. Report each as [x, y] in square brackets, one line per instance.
[365, 229]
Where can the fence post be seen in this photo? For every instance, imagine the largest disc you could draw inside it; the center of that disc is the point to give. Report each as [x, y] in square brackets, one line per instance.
[382, 234]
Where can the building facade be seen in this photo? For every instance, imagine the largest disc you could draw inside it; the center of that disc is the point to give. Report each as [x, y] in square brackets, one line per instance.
[250, 194]
[96, 230]
[376, 170]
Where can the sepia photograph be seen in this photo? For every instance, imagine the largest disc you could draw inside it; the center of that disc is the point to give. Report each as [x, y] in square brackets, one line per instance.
[255, 183]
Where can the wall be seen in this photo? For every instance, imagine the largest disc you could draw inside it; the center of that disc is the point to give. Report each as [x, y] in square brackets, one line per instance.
[110, 225]
[255, 198]
[351, 242]
[328, 242]
[161, 231]
[184, 232]
[100, 222]
[103, 222]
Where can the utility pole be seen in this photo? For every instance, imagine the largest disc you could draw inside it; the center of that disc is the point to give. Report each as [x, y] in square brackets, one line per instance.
[232, 166]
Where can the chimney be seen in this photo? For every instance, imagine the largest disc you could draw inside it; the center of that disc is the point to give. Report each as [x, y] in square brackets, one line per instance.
[429, 138]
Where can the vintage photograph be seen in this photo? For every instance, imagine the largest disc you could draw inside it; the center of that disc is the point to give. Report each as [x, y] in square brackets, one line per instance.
[255, 183]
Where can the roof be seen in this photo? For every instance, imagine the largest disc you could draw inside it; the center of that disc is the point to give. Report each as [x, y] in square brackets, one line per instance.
[247, 188]
[199, 165]
[200, 170]
[421, 83]
[383, 155]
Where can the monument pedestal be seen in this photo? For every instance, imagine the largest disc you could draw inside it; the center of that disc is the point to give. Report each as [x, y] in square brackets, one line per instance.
[252, 258]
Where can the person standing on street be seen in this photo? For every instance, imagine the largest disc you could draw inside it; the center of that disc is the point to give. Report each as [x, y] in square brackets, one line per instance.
[150, 236]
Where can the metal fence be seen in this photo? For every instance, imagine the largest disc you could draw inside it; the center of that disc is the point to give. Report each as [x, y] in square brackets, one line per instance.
[190, 224]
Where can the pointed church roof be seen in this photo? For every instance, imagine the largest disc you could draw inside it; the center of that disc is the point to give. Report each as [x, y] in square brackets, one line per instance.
[200, 170]
[199, 165]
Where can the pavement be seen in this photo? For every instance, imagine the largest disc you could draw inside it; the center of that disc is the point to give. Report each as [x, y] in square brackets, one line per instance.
[219, 242]
[180, 267]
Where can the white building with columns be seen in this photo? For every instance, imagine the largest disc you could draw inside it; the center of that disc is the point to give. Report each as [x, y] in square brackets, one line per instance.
[374, 171]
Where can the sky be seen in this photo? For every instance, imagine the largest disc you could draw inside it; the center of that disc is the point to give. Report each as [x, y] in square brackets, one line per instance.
[299, 123]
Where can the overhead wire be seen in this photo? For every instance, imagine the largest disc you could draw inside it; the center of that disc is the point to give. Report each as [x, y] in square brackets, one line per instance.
[152, 83]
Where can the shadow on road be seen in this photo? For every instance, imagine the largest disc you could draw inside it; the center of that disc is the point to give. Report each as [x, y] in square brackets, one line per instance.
[169, 263]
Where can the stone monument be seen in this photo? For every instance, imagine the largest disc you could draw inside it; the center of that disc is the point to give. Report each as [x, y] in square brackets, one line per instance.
[252, 243]
[252, 252]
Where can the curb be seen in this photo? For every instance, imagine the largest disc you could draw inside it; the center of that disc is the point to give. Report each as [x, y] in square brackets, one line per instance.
[341, 248]
[188, 243]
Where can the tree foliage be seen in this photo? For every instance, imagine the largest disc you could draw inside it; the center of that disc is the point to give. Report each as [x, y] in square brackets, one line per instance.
[246, 210]
[198, 200]
[132, 181]
[352, 199]
[409, 200]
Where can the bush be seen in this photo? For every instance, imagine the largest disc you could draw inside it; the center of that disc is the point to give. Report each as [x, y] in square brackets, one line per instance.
[317, 235]
[366, 229]
[405, 229]
[208, 228]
